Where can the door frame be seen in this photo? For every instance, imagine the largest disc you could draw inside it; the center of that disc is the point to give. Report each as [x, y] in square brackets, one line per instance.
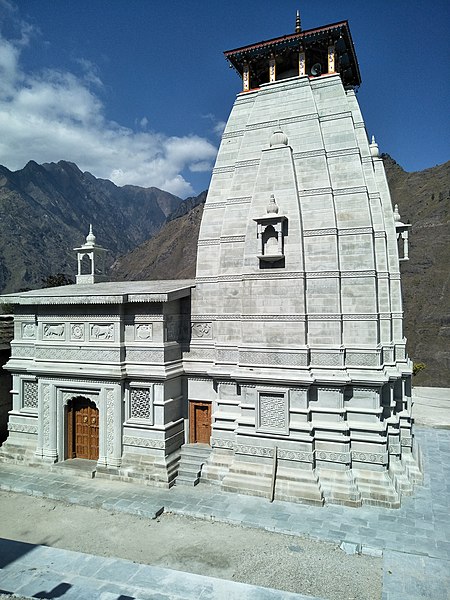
[70, 426]
[192, 419]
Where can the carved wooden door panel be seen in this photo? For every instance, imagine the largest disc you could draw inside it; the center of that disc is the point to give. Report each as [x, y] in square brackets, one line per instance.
[200, 423]
[83, 429]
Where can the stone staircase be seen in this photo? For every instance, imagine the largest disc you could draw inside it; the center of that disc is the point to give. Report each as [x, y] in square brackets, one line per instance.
[192, 459]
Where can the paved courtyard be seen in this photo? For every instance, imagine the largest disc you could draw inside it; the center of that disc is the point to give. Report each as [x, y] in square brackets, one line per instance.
[414, 540]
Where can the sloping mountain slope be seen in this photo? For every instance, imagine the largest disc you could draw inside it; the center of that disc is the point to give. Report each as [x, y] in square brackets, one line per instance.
[45, 211]
[424, 200]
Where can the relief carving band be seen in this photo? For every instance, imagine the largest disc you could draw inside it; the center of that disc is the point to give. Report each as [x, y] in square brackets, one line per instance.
[102, 332]
[202, 330]
[54, 331]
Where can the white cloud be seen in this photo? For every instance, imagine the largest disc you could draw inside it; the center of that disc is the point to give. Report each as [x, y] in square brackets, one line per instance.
[54, 115]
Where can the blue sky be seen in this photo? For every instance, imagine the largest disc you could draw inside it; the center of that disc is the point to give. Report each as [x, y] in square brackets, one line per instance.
[138, 91]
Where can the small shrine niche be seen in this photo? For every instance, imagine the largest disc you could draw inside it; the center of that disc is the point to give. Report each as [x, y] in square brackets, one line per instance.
[271, 230]
[402, 231]
[90, 260]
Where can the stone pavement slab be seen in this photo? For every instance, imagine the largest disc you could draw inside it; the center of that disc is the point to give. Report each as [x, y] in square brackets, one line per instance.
[42, 572]
[420, 528]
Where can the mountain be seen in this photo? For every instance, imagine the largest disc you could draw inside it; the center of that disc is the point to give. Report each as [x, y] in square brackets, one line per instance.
[172, 253]
[45, 212]
[423, 198]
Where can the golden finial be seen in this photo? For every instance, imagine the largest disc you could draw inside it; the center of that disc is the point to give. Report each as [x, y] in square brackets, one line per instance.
[298, 25]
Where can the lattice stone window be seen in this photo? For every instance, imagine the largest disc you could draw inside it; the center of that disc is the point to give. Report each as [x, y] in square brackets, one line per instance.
[30, 394]
[141, 404]
[272, 412]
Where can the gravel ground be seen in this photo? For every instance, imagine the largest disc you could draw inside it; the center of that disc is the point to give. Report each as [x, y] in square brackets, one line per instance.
[291, 563]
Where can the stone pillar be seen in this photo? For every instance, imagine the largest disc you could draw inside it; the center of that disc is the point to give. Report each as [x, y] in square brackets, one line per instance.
[272, 69]
[301, 63]
[331, 59]
[246, 78]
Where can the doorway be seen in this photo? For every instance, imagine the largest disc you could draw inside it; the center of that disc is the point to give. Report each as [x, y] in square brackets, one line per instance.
[199, 422]
[82, 429]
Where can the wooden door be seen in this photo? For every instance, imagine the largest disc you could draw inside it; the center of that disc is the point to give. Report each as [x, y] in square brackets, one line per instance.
[199, 422]
[82, 429]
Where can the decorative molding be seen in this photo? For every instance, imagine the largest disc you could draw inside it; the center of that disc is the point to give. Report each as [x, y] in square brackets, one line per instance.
[394, 448]
[363, 359]
[360, 317]
[295, 455]
[46, 414]
[222, 317]
[228, 239]
[22, 351]
[239, 200]
[227, 169]
[309, 154]
[333, 117]
[324, 317]
[250, 357]
[362, 189]
[316, 191]
[212, 205]
[319, 274]
[209, 242]
[328, 359]
[90, 395]
[267, 274]
[356, 231]
[77, 354]
[275, 317]
[219, 443]
[254, 450]
[337, 457]
[316, 232]
[110, 421]
[148, 356]
[143, 442]
[22, 428]
[253, 162]
[232, 134]
[406, 441]
[368, 273]
[369, 457]
[343, 152]
[200, 354]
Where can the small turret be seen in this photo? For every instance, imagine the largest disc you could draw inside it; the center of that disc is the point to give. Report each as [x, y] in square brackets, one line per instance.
[90, 260]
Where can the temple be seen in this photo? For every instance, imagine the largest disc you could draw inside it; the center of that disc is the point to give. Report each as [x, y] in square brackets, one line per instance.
[281, 370]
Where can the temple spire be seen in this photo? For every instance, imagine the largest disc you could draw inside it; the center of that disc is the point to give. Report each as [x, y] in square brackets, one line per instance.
[298, 25]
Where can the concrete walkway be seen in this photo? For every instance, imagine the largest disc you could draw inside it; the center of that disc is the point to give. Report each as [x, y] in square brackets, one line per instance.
[414, 540]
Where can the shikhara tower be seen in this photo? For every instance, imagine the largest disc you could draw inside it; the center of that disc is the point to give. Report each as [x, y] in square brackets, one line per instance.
[281, 370]
[297, 337]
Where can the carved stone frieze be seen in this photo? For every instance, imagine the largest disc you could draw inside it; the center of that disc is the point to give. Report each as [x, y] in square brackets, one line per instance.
[363, 359]
[296, 455]
[227, 169]
[149, 356]
[22, 351]
[219, 443]
[406, 441]
[369, 457]
[254, 450]
[22, 428]
[339, 457]
[143, 442]
[272, 412]
[394, 448]
[249, 357]
[316, 232]
[77, 354]
[77, 332]
[327, 359]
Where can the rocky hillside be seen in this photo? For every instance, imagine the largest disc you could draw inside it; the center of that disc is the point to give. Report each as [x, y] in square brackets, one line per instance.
[424, 200]
[45, 211]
